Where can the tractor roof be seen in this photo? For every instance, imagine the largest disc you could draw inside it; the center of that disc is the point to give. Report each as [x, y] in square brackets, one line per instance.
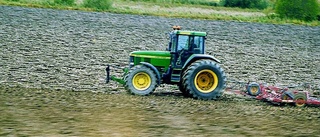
[195, 33]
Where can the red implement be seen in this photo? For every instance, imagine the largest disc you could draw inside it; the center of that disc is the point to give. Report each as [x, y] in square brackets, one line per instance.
[277, 95]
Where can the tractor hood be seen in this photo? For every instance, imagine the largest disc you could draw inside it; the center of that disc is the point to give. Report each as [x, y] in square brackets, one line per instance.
[152, 54]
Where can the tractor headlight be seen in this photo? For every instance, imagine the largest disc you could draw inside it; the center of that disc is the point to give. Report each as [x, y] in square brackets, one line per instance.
[131, 62]
[131, 65]
[131, 59]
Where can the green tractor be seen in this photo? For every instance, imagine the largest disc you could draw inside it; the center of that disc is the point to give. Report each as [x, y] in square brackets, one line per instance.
[184, 63]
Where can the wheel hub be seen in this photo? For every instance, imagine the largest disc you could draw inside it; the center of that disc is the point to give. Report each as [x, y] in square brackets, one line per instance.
[254, 90]
[141, 81]
[300, 102]
[206, 81]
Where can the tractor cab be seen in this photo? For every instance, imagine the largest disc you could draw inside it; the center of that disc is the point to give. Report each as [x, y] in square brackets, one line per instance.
[183, 44]
[184, 47]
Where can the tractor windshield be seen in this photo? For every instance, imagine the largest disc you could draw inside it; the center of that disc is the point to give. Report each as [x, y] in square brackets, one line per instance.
[191, 43]
[183, 42]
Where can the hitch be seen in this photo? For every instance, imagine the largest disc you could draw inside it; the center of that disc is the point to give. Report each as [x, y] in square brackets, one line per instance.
[114, 78]
[108, 73]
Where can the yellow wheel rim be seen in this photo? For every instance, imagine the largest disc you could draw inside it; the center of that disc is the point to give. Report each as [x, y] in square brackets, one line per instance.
[254, 90]
[300, 102]
[141, 81]
[206, 81]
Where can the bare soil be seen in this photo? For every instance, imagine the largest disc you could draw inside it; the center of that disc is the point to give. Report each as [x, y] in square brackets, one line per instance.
[52, 76]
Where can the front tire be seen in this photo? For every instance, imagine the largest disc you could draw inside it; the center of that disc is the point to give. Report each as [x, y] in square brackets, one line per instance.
[204, 79]
[140, 80]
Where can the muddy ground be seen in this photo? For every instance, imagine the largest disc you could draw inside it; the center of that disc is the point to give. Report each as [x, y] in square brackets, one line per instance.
[52, 76]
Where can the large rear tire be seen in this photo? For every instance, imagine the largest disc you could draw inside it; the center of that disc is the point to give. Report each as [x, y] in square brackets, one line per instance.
[140, 80]
[183, 90]
[204, 79]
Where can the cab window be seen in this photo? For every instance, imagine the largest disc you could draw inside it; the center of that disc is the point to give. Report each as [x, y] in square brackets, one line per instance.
[198, 44]
[183, 42]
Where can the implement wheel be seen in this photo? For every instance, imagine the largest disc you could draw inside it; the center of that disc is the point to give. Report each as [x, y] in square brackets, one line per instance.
[204, 79]
[253, 89]
[140, 80]
[300, 99]
[287, 95]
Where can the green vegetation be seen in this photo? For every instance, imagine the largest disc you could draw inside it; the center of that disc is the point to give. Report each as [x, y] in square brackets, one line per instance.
[190, 2]
[298, 9]
[196, 9]
[98, 4]
[253, 4]
[89, 5]
[64, 2]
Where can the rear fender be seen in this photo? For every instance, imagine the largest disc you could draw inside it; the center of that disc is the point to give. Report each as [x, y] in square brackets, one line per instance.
[195, 57]
[154, 69]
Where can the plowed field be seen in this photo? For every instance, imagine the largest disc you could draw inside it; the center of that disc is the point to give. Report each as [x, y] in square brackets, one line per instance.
[52, 76]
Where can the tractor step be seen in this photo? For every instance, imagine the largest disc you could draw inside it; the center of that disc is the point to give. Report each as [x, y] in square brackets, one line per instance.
[175, 76]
